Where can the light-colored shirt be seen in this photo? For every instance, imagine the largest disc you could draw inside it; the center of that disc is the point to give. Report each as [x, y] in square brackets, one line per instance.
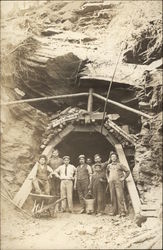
[116, 171]
[61, 170]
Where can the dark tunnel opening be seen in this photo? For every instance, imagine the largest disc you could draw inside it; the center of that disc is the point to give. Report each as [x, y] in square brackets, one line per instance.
[87, 143]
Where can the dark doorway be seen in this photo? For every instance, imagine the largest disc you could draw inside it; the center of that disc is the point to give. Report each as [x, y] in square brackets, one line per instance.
[87, 143]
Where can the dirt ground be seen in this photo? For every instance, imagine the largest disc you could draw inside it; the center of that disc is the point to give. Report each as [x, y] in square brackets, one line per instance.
[70, 231]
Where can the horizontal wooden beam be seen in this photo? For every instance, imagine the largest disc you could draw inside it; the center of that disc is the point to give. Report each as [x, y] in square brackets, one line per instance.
[46, 98]
[122, 106]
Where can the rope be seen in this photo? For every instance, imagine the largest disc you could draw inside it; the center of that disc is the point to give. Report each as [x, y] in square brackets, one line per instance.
[109, 89]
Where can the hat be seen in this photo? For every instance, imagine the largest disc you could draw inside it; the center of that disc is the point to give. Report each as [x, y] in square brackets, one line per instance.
[113, 153]
[97, 164]
[81, 156]
[66, 157]
[97, 155]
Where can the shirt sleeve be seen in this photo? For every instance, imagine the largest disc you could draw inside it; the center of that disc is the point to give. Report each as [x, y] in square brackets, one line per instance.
[57, 170]
[125, 169]
[89, 169]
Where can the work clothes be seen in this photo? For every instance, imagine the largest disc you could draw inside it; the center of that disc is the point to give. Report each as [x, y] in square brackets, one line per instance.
[66, 174]
[115, 171]
[83, 175]
[54, 163]
[41, 183]
[41, 186]
[67, 191]
[97, 187]
[103, 166]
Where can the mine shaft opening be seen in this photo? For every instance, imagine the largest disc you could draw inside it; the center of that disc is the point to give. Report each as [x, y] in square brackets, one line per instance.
[87, 143]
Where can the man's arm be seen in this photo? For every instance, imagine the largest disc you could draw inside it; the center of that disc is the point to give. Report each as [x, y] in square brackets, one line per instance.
[107, 173]
[57, 172]
[126, 170]
[89, 172]
[75, 177]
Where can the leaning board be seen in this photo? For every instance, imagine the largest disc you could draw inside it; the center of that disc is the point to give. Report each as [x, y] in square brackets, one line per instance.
[130, 182]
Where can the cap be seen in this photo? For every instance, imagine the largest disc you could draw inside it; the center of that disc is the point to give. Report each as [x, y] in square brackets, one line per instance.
[113, 153]
[66, 157]
[97, 155]
[97, 164]
[81, 156]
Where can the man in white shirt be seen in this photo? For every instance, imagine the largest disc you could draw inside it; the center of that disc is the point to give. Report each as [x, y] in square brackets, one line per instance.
[66, 173]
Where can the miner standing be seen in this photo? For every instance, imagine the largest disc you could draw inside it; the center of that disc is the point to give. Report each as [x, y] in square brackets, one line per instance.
[82, 180]
[54, 162]
[116, 173]
[66, 173]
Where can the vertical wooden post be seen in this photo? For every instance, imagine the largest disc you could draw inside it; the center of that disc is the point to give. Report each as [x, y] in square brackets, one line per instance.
[90, 101]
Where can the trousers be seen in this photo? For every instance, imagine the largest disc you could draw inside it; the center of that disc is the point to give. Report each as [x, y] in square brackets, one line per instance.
[55, 186]
[67, 191]
[41, 186]
[99, 195]
[117, 196]
[82, 188]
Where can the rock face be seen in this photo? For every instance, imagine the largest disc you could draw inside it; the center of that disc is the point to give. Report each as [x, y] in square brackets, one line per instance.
[20, 144]
[80, 34]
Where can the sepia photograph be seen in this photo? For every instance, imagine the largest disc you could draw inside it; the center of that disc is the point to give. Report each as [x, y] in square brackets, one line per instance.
[81, 124]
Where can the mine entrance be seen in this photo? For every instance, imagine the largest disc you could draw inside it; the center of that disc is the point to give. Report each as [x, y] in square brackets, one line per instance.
[87, 143]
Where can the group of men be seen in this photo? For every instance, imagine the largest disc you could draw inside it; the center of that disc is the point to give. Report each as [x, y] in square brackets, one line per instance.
[58, 177]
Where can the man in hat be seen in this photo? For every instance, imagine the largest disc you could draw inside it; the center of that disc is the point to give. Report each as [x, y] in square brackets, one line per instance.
[66, 173]
[97, 188]
[54, 162]
[44, 172]
[82, 180]
[116, 173]
[98, 159]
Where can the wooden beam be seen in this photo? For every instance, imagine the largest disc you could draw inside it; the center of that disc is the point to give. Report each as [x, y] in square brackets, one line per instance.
[53, 97]
[131, 138]
[90, 101]
[122, 106]
[130, 182]
[26, 188]
[81, 128]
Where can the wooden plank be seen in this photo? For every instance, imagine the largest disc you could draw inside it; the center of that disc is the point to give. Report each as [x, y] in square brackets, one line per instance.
[26, 188]
[130, 182]
[149, 213]
[90, 101]
[148, 207]
[130, 138]
[123, 106]
[53, 97]
[81, 128]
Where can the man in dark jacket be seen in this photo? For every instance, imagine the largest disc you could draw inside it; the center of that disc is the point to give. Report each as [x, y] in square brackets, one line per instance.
[54, 162]
[116, 173]
[82, 180]
[97, 188]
